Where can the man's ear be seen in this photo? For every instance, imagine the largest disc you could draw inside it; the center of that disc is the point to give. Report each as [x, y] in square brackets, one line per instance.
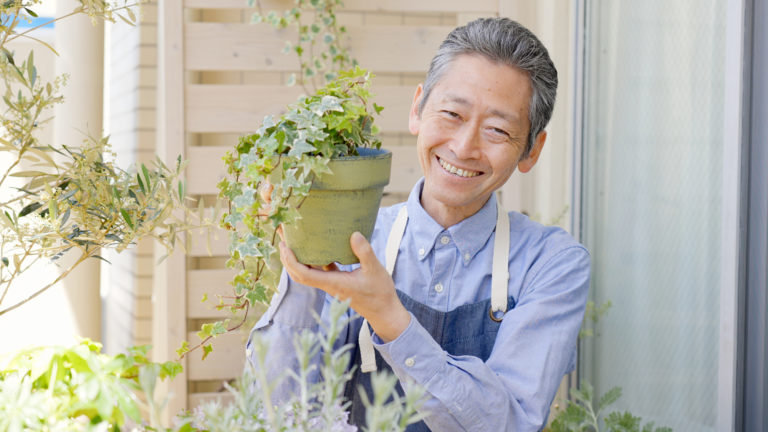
[529, 161]
[414, 119]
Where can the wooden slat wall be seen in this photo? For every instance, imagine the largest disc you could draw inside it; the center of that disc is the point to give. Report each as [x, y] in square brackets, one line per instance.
[231, 74]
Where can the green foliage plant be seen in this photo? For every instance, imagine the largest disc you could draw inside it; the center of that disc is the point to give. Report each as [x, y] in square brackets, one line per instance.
[584, 415]
[318, 45]
[319, 405]
[74, 198]
[78, 388]
[270, 174]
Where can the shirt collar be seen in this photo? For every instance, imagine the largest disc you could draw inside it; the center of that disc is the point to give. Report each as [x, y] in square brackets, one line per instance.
[469, 235]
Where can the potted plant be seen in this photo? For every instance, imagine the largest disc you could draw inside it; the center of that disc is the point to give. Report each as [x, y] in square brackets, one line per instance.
[325, 172]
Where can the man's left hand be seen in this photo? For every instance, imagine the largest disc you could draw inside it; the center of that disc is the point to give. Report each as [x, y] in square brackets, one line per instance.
[370, 289]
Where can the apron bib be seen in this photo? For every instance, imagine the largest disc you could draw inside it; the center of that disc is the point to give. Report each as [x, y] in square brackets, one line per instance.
[469, 329]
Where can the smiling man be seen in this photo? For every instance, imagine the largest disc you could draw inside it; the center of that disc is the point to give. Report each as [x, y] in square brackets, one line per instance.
[478, 306]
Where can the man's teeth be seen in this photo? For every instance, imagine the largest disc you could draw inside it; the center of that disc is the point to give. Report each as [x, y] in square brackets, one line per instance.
[458, 171]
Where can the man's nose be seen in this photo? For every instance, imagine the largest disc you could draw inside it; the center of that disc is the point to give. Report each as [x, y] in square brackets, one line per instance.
[466, 144]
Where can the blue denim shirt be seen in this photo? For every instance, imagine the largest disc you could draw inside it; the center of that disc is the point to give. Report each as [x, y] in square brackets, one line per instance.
[446, 268]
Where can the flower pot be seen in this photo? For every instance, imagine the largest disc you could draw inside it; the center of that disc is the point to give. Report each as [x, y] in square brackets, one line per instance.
[339, 204]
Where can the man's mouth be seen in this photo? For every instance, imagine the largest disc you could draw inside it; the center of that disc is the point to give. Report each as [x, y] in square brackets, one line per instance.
[457, 171]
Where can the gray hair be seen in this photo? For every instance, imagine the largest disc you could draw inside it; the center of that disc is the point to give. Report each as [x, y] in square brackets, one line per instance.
[507, 42]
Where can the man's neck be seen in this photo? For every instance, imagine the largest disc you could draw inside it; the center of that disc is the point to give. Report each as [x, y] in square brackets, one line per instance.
[448, 216]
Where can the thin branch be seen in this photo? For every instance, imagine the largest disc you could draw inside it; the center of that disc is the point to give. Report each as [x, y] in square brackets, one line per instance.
[74, 12]
[82, 258]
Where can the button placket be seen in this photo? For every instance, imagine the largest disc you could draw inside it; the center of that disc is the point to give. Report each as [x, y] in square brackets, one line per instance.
[445, 257]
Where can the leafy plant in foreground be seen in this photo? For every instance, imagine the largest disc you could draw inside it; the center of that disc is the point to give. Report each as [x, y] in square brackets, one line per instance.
[78, 388]
[318, 403]
[582, 415]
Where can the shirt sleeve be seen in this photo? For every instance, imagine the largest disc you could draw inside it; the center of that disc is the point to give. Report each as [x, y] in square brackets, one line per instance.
[293, 309]
[513, 389]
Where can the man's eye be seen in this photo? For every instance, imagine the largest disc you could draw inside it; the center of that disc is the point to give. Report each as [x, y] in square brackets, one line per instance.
[451, 114]
[500, 132]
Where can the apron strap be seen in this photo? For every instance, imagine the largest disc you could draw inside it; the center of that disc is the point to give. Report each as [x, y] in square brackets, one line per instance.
[365, 341]
[499, 276]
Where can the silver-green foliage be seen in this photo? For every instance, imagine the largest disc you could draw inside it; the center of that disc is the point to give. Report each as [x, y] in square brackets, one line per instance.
[584, 415]
[318, 405]
[73, 197]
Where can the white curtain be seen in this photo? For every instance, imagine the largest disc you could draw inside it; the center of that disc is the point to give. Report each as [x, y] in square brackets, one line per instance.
[652, 204]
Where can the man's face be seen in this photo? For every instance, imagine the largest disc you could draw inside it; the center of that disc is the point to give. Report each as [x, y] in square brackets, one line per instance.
[471, 135]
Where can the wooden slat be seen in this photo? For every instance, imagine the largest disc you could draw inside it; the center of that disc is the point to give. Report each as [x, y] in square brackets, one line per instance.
[211, 283]
[362, 5]
[205, 169]
[405, 169]
[247, 47]
[219, 244]
[225, 362]
[197, 399]
[169, 322]
[241, 108]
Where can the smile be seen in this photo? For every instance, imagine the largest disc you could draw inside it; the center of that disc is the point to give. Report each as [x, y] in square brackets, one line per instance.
[457, 171]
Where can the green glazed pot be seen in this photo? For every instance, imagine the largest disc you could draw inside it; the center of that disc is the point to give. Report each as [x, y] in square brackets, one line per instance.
[339, 204]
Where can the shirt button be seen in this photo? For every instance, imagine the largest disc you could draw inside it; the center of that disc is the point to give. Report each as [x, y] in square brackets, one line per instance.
[422, 252]
[467, 256]
[410, 362]
[444, 239]
[439, 287]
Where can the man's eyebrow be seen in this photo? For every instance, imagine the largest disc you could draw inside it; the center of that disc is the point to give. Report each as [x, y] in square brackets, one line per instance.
[505, 115]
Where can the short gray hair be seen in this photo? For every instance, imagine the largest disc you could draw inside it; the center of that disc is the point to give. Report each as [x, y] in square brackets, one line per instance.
[507, 42]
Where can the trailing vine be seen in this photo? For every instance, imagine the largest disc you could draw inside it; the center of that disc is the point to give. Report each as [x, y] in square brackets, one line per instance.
[318, 45]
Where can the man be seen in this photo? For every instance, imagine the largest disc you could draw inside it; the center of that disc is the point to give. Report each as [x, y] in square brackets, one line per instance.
[483, 307]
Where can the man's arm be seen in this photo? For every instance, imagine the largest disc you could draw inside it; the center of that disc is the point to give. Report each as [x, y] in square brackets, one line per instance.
[293, 309]
[534, 348]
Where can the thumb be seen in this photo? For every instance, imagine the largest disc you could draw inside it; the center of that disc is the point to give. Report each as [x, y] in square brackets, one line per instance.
[363, 250]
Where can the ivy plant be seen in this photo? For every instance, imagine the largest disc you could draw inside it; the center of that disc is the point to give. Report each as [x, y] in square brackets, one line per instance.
[318, 45]
[271, 172]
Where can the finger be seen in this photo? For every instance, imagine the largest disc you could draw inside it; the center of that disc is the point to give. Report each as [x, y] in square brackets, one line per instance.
[363, 250]
[280, 232]
[306, 275]
[265, 190]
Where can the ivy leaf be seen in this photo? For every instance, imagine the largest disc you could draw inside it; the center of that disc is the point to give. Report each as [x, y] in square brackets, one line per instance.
[299, 147]
[183, 349]
[207, 349]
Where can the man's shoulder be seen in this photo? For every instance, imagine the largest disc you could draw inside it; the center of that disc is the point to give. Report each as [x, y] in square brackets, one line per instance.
[547, 240]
